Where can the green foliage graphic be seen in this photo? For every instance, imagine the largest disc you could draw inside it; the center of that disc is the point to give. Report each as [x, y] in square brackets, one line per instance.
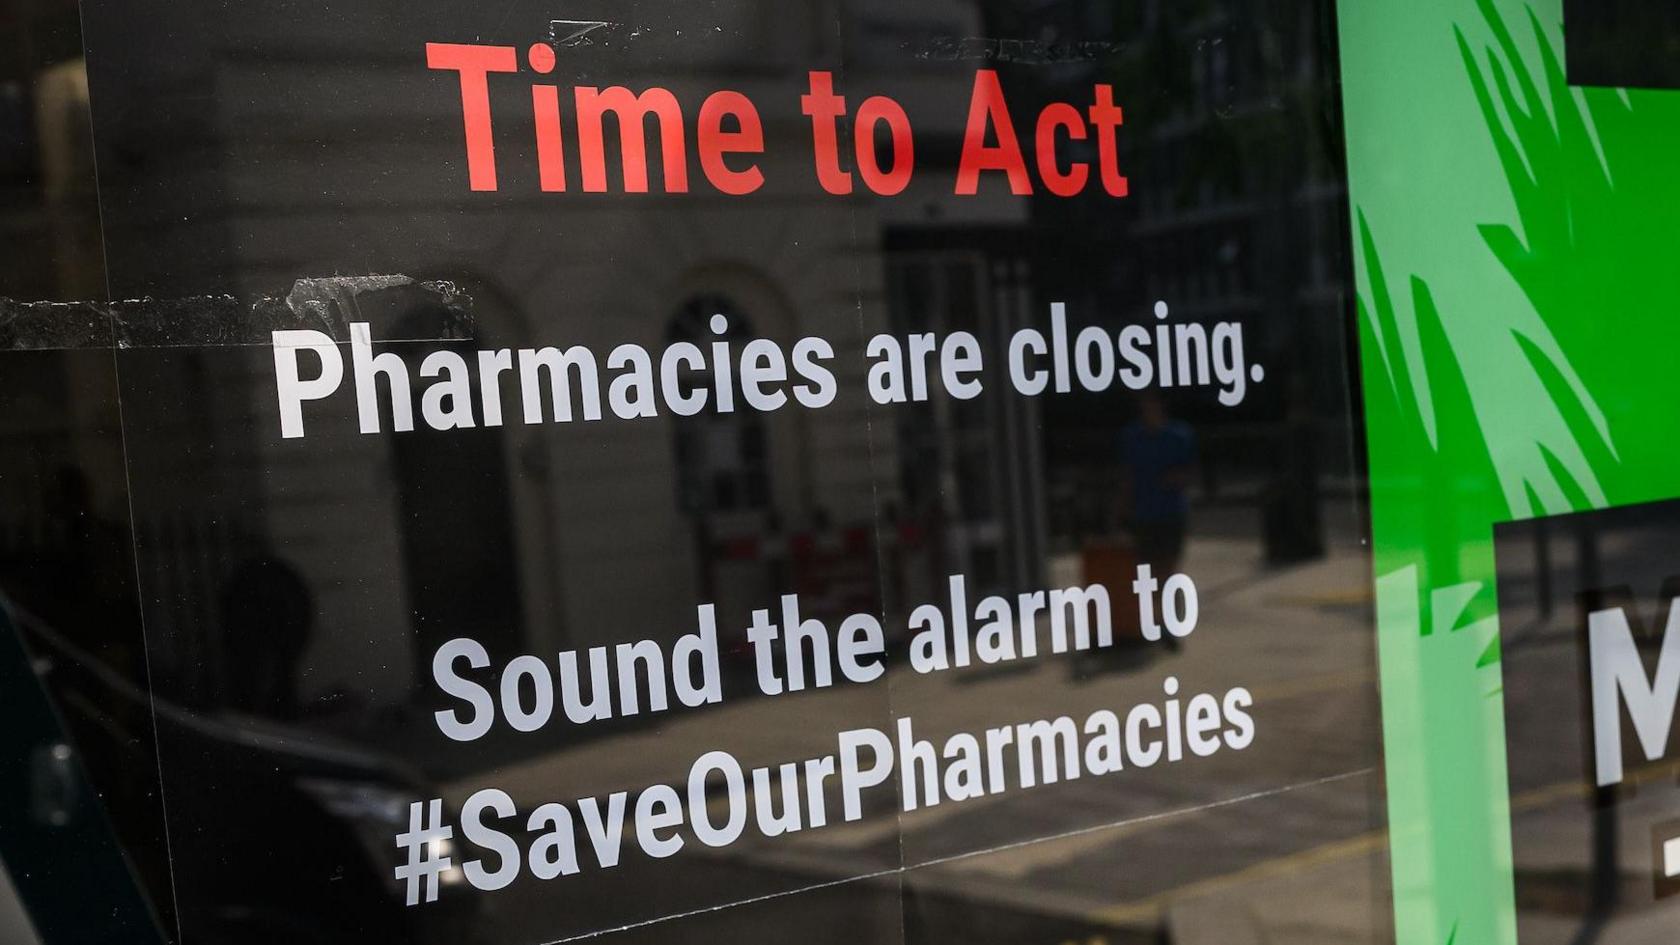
[1519, 365]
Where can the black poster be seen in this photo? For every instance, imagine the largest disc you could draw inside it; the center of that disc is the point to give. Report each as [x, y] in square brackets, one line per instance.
[725, 471]
[1587, 622]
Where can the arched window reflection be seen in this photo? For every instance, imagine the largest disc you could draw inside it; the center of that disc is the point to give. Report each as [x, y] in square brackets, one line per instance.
[723, 463]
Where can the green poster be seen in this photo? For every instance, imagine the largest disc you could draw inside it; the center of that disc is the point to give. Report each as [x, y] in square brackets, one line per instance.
[1517, 303]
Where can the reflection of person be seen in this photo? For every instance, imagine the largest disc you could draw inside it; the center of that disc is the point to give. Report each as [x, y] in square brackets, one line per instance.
[1157, 454]
[267, 614]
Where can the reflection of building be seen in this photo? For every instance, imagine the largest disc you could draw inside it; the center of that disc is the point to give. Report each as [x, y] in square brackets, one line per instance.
[300, 155]
[305, 155]
[1235, 214]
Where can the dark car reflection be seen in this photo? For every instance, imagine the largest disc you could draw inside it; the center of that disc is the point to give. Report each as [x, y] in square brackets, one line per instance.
[294, 815]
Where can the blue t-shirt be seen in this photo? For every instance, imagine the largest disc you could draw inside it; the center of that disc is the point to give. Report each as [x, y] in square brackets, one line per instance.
[1151, 456]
